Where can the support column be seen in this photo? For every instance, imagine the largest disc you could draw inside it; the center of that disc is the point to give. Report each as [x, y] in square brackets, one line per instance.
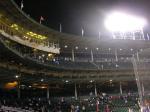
[134, 62]
[148, 37]
[95, 91]
[60, 27]
[116, 55]
[48, 92]
[133, 33]
[123, 35]
[73, 55]
[19, 81]
[99, 35]
[92, 58]
[102, 66]
[75, 93]
[18, 77]
[120, 88]
[137, 55]
[35, 53]
[48, 44]
[143, 89]
[142, 32]
[18, 90]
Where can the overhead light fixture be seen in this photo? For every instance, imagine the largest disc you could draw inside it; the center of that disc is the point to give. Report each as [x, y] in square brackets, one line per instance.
[66, 81]
[123, 22]
[76, 47]
[42, 80]
[117, 66]
[86, 48]
[49, 55]
[91, 81]
[16, 76]
[65, 46]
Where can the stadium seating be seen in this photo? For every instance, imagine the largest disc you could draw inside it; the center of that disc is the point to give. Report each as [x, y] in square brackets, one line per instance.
[117, 104]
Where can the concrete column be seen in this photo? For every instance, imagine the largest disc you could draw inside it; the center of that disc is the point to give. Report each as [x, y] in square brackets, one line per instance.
[99, 35]
[75, 92]
[137, 55]
[143, 89]
[95, 91]
[142, 32]
[116, 55]
[48, 92]
[120, 88]
[92, 58]
[60, 28]
[73, 55]
[18, 90]
[148, 37]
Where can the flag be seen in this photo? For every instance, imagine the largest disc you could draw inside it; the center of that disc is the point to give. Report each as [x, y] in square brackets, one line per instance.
[60, 28]
[41, 19]
[22, 5]
[82, 32]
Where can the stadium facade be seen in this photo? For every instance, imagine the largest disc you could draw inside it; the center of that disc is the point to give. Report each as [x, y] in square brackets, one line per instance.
[34, 52]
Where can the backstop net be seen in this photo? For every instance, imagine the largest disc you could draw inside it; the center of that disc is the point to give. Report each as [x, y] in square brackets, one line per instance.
[141, 65]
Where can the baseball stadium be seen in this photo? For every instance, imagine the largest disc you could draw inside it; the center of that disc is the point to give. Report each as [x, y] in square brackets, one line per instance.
[47, 69]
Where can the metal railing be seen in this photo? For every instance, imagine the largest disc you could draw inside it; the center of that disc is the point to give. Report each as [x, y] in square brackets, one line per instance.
[21, 37]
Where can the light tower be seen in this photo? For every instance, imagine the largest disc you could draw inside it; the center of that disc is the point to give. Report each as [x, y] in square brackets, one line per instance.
[125, 26]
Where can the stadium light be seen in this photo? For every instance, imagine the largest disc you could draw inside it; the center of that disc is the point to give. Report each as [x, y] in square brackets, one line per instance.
[66, 81]
[42, 80]
[122, 22]
[16, 76]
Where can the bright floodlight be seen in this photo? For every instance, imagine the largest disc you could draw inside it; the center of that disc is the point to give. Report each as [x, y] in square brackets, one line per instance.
[123, 22]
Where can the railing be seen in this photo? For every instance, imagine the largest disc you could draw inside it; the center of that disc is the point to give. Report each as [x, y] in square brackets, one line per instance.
[20, 37]
[67, 63]
[60, 62]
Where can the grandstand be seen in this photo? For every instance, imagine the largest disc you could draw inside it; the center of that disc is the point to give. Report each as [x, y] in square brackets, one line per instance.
[43, 70]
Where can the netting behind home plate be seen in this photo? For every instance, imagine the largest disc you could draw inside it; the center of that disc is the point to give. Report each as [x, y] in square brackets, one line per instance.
[141, 64]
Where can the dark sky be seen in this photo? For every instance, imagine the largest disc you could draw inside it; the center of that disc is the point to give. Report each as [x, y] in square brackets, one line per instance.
[74, 14]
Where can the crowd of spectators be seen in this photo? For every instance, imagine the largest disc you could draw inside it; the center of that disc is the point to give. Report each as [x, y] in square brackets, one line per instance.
[102, 103]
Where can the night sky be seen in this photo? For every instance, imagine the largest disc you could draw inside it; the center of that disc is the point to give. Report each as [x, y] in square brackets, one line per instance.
[75, 14]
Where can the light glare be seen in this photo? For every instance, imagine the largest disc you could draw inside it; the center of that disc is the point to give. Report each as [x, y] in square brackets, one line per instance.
[123, 22]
